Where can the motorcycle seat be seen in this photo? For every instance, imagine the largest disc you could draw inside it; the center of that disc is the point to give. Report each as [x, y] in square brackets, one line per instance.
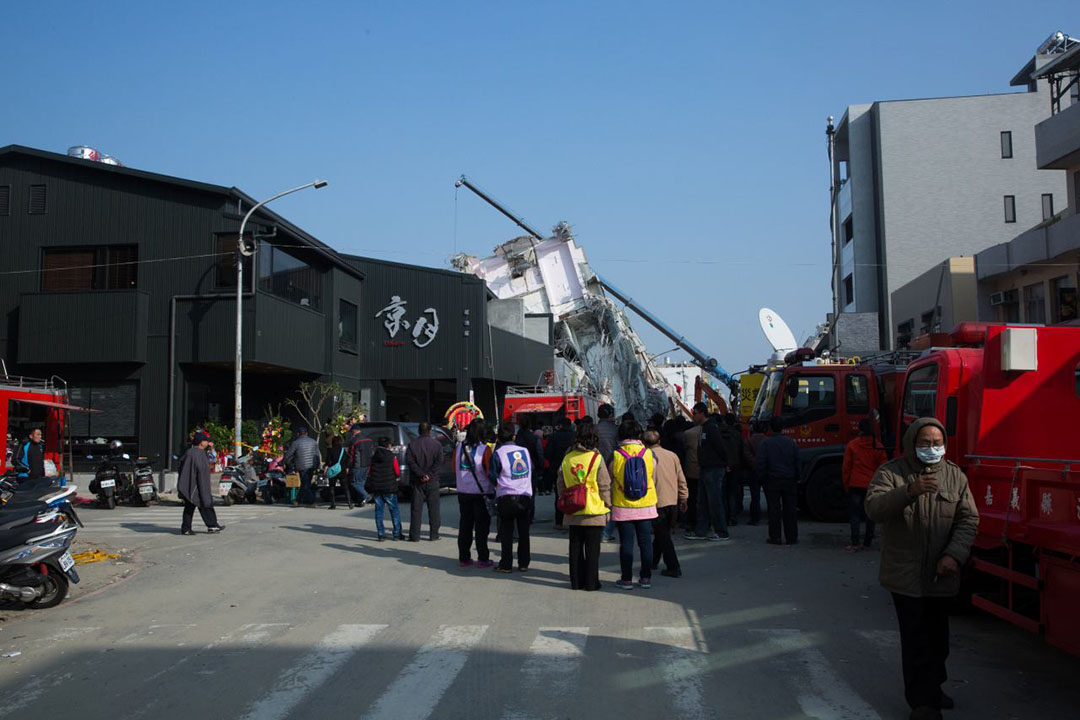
[19, 535]
[14, 518]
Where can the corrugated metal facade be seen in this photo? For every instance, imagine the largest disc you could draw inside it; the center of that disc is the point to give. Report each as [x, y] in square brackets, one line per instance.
[96, 327]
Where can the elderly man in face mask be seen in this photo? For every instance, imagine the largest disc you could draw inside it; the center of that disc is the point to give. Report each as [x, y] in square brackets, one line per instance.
[929, 518]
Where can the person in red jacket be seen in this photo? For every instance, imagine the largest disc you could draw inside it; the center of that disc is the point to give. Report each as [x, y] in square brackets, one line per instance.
[862, 457]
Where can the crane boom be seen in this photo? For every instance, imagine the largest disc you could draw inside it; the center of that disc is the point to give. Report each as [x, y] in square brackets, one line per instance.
[705, 362]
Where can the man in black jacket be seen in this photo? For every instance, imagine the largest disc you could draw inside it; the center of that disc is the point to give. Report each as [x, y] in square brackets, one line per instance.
[558, 445]
[713, 461]
[777, 462]
[424, 457]
[31, 455]
[359, 451]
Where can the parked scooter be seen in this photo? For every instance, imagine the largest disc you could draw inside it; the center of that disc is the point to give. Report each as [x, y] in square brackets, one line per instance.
[238, 482]
[142, 489]
[36, 566]
[108, 480]
[272, 482]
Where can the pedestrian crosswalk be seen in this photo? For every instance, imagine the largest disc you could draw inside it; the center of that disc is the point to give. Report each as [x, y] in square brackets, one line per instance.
[126, 522]
[379, 671]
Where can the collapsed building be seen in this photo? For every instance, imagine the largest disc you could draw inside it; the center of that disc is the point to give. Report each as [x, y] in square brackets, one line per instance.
[597, 350]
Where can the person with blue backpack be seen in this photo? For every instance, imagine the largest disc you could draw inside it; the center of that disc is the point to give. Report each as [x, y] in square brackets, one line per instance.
[633, 503]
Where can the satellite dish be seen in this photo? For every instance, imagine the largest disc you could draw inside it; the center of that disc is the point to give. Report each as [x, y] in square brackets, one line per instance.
[776, 331]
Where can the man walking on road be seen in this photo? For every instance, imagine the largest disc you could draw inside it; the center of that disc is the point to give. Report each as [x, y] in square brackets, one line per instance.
[671, 494]
[930, 520]
[303, 457]
[778, 470]
[193, 486]
[712, 458]
[424, 458]
[360, 451]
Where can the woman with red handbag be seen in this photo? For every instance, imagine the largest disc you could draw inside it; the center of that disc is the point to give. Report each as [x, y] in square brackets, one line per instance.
[584, 488]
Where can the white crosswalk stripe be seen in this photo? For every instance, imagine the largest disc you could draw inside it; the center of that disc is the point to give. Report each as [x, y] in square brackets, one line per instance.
[312, 670]
[821, 692]
[683, 665]
[551, 669]
[420, 686]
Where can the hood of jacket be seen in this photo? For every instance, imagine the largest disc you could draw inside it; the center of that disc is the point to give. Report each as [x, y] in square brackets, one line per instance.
[909, 444]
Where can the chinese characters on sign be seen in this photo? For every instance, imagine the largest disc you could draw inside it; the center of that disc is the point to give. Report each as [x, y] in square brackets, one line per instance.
[424, 329]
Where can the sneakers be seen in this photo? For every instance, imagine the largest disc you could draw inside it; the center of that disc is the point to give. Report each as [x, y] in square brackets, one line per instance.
[624, 584]
[671, 573]
[502, 570]
[610, 539]
[216, 529]
[851, 548]
[461, 563]
[484, 564]
[189, 531]
[693, 536]
[399, 537]
[645, 583]
[719, 538]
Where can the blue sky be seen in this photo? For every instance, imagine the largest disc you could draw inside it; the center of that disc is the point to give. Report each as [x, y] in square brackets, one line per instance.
[683, 141]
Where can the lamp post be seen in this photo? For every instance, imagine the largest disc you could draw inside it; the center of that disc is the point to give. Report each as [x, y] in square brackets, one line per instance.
[241, 252]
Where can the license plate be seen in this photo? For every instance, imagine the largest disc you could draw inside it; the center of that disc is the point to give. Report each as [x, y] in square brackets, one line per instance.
[146, 490]
[224, 487]
[108, 483]
[66, 562]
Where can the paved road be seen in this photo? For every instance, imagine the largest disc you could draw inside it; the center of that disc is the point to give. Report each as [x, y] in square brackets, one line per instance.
[299, 613]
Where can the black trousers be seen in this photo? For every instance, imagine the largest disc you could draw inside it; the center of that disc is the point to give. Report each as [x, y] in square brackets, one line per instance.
[733, 494]
[689, 518]
[782, 497]
[425, 493]
[585, 556]
[206, 513]
[342, 479]
[924, 647]
[475, 520]
[514, 513]
[666, 521]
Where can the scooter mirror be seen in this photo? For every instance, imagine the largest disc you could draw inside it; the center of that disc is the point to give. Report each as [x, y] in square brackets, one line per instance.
[126, 456]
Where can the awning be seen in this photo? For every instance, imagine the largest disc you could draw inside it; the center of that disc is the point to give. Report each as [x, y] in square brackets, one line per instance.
[54, 404]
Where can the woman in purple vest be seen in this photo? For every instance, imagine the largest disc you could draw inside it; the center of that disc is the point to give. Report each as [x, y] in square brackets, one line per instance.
[471, 459]
[511, 471]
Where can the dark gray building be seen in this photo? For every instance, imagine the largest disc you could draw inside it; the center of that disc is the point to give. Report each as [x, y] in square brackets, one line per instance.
[122, 282]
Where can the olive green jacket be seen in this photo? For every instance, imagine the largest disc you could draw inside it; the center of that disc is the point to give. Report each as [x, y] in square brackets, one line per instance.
[919, 531]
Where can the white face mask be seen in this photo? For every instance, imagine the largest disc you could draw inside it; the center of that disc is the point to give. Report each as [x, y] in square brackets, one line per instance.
[930, 455]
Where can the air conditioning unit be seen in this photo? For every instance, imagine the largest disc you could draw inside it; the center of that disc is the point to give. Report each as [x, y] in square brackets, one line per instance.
[997, 298]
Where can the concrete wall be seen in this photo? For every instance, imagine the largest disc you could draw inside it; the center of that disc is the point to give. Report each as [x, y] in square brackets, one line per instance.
[958, 293]
[508, 315]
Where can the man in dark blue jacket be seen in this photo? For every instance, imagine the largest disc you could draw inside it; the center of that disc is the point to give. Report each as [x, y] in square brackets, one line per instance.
[778, 470]
[31, 456]
[424, 458]
[713, 461]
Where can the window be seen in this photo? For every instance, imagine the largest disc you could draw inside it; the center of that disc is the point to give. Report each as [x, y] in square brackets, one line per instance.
[808, 398]
[5, 199]
[849, 230]
[118, 409]
[1048, 206]
[1010, 208]
[37, 199]
[1009, 311]
[1006, 144]
[1035, 303]
[920, 393]
[930, 319]
[225, 262]
[286, 276]
[904, 331]
[348, 316]
[104, 267]
[849, 290]
[858, 395]
[1063, 299]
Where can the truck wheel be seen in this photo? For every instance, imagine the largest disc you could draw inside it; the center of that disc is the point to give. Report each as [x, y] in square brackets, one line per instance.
[825, 495]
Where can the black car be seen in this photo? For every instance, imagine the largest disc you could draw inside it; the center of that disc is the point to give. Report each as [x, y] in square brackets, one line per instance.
[401, 434]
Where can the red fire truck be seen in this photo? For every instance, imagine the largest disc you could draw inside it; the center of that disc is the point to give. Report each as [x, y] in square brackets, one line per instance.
[543, 404]
[1009, 397]
[27, 403]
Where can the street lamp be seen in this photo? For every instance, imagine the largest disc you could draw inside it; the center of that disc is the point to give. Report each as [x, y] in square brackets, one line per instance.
[241, 252]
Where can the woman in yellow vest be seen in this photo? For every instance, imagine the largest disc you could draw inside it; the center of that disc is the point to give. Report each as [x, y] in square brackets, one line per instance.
[633, 503]
[584, 464]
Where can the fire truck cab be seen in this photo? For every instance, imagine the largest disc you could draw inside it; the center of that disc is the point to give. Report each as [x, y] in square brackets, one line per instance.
[28, 403]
